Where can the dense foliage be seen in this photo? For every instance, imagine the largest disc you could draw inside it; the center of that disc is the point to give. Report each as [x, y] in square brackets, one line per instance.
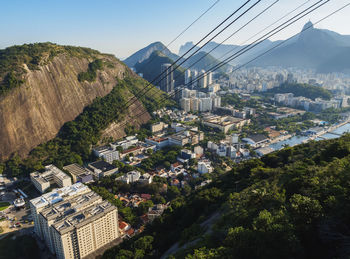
[74, 141]
[13, 60]
[290, 204]
[306, 90]
[91, 73]
[14, 247]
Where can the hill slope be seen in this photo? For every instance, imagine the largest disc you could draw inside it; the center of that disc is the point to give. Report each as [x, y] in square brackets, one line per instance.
[293, 203]
[225, 50]
[146, 52]
[312, 49]
[47, 93]
[142, 59]
[151, 68]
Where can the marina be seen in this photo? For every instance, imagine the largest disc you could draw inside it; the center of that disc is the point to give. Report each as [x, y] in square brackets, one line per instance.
[334, 131]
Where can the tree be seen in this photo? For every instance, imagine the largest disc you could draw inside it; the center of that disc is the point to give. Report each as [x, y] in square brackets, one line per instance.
[143, 207]
[173, 192]
[305, 209]
[124, 254]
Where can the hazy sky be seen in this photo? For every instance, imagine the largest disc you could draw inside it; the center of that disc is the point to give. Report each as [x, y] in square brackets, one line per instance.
[122, 27]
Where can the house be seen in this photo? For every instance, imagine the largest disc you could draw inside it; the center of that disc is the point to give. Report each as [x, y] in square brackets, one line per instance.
[146, 196]
[177, 166]
[130, 177]
[256, 140]
[146, 178]
[175, 182]
[130, 233]
[156, 211]
[204, 167]
[144, 218]
[123, 227]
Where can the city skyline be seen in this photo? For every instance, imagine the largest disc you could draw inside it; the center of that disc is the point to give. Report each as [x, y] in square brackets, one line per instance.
[125, 27]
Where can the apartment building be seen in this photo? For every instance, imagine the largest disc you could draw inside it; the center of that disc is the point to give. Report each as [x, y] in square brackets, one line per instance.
[48, 199]
[75, 221]
[51, 175]
[108, 153]
[157, 127]
[205, 167]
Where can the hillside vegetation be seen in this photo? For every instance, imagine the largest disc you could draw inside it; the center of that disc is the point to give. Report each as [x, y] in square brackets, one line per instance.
[44, 85]
[306, 90]
[74, 140]
[290, 204]
[151, 68]
[16, 60]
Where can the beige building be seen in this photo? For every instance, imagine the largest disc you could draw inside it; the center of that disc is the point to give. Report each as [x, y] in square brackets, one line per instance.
[157, 127]
[224, 123]
[74, 222]
[51, 175]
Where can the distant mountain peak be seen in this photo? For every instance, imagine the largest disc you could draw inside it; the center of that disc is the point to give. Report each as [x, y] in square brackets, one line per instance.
[308, 25]
[146, 52]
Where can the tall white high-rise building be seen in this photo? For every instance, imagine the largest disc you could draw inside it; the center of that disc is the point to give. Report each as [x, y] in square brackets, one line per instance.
[187, 77]
[210, 77]
[185, 104]
[205, 104]
[203, 83]
[194, 76]
[195, 104]
[167, 83]
[216, 101]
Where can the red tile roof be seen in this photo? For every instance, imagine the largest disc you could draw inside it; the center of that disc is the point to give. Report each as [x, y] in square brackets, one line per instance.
[130, 232]
[146, 196]
[122, 225]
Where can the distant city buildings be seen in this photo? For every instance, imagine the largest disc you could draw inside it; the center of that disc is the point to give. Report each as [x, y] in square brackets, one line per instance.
[193, 100]
[318, 104]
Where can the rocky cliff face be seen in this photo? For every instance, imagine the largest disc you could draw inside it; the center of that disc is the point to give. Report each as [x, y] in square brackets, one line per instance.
[34, 112]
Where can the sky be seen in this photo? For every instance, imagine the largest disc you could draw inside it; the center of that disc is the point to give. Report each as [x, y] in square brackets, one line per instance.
[121, 27]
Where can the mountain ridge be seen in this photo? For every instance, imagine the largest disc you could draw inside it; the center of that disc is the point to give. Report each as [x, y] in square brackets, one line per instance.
[50, 95]
[313, 48]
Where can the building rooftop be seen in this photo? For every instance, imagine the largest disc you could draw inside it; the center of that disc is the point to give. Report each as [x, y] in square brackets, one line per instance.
[76, 169]
[257, 138]
[47, 176]
[83, 217]
[58, 195]
[66, 207]
[102, 165]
